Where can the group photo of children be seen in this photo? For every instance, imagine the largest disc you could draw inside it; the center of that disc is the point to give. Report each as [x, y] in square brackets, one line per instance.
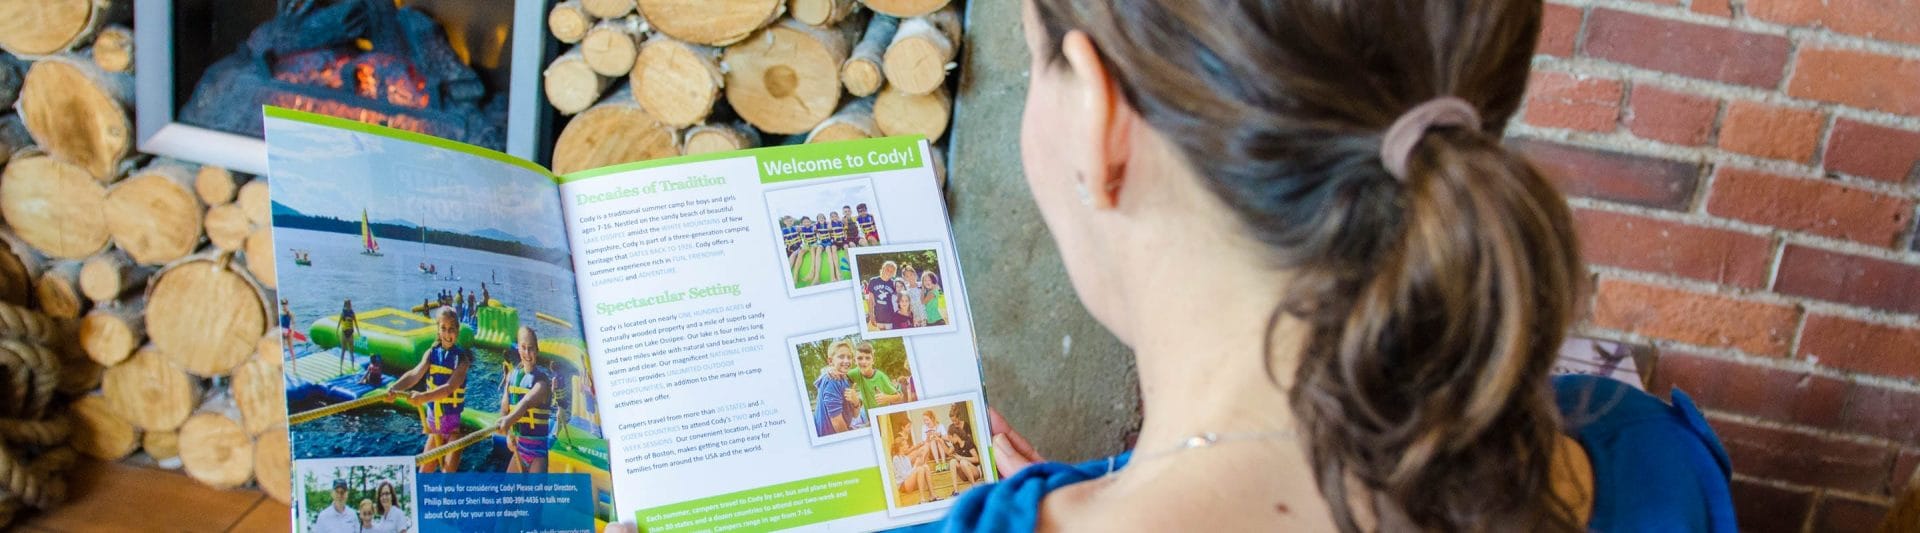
[844, 378]
[356, 497]
[902, 291]
[929, 453]
[818, 225]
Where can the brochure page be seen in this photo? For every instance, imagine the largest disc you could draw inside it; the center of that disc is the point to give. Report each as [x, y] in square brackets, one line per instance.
[781, 338]
[436, 373]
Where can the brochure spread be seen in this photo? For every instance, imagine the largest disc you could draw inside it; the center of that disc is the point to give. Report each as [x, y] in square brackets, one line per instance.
[767, 339]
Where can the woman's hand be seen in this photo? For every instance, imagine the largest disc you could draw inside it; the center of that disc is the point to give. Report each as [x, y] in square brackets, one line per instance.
[1012, 451]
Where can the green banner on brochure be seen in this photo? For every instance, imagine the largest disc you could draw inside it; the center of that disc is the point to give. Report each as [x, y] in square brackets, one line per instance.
[796, 162]
[786, 505]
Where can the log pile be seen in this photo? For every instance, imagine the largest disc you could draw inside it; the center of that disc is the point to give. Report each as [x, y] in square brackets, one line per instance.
[134, 291]
[645, 79]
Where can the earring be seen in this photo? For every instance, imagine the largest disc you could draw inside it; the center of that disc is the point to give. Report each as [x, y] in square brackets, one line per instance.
[1080, 186]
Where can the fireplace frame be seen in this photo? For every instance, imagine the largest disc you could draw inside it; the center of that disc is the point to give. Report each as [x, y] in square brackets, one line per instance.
[160, 133]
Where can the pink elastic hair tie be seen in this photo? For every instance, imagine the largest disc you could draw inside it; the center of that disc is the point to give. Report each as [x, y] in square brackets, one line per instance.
[1406, 132]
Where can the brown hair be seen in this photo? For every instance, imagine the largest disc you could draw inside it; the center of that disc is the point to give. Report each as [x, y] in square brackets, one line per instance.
[1434, 303]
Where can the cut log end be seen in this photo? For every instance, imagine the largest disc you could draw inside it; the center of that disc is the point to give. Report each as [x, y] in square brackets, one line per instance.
[260, 393]
[571, 85]
[905, 8]
[786, 80]
[109, 335]
[611, 46]
[39, 27]
[161, 445]
[272, 464]
[253, 201]
[216, 451]
[900, 113]
[155, 216]
[820, 12]
[227, 226]
[677, 82]
[615, 131]
[607, 9]
[100, 433]
[862, 77]
[215, 185]
[58, 290]
[204, 316]
[711, 23]
[922, 50]
[54, 206]
[569, 21]
[150, 392]
[113, 49]
[712, 138]
[75, 112]
[259, 255]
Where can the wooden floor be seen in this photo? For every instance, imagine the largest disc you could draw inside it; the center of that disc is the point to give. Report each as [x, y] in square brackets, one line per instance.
[116, 497]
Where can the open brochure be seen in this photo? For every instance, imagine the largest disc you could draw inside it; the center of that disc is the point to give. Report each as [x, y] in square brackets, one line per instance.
[766, 339]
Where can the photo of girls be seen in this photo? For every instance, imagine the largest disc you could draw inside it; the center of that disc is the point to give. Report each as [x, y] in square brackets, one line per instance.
[902, 291]
[930, 453]
[370, 495]
[818, 224]
[844, 378]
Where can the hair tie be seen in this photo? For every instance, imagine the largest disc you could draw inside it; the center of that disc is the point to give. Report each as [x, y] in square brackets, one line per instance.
[1406, 132]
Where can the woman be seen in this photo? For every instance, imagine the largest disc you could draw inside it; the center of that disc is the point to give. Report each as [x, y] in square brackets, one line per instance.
[348, 324]
[1343, 293]
[392, 519]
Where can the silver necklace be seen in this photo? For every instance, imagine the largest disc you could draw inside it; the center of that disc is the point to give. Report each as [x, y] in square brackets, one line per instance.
[1206, 439]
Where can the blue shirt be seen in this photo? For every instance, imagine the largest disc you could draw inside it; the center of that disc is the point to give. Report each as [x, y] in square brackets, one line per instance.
[829, 403]
[1656, 467]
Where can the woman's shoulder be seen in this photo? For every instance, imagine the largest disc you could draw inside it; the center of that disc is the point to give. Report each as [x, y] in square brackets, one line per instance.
[1655, 464]
[1013, 504]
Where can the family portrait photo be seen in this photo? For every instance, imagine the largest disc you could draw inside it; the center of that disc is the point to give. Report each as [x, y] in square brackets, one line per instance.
[930, 452]
[356, 496]
[902, 290]
[844, 378]
[818, 224]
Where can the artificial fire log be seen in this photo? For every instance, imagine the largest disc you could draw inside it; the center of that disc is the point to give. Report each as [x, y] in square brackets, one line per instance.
[711, 22]
[113, 49]
[612, 44]
[676, 81]
[163, 447]
[216, 451]
[905, 8]
[820, 12]
[58, 291]
[20, 267]
[900, 113]
[861, 73]
[54, 206]
[922, 51]
[39, 27]
[227, 227]
[569, 21]
[253, 201]
[785, 80]
[854, 121]
[607, 9]
[572, 86]
[155, 215]
[78, 113]
[260, 393]
[110, 334]
[710, 138]
[108, 275]
[614, 131]
[99, 432]
[272, 461]
[216, 185]
[204, 315]
[259, 256]
[150, 392]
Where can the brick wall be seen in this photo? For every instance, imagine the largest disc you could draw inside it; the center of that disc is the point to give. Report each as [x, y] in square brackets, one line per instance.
[1743, 175]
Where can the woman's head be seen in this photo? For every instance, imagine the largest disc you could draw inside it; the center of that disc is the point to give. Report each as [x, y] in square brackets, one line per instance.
[387, 498]
[1430, 299]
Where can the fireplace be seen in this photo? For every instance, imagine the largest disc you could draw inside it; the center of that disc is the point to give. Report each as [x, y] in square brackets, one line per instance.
[465, 70]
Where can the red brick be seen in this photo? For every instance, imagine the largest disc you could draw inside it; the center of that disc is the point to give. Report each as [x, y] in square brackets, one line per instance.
[1768, 509]
[1614, 176]
[1804, 459]
[1798, 397]
[1835, 513]
[1671, 116]
[1882, 412]
[1849, 279]
[1559, 30]
[1882, 153]
[1771, 131]
[1905, 469]
[1650, 245]
[1857, 78]
[1857, 346]
[1687, 49]
[1704, 319]
[1820, 207]
[1718, 8]
[1886, 20]
[1561, 100]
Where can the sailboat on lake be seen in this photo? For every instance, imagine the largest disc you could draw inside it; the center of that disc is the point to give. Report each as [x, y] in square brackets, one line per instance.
[372, 247]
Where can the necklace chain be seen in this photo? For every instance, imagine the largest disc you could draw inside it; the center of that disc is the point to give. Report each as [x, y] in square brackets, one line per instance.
[1206, 439]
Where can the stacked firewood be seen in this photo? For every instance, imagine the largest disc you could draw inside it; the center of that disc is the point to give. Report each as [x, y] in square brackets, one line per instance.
[158, 272]
[645, 79]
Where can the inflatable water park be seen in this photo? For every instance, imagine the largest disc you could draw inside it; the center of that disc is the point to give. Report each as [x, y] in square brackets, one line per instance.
[324, 383]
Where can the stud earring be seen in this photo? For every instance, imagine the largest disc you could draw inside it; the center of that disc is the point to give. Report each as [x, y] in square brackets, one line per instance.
[1080, 186]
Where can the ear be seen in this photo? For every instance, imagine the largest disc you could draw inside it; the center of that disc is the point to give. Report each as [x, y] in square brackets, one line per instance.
[1107, 121]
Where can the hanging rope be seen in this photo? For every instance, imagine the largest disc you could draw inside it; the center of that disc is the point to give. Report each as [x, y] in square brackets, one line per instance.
[457, 445]
[34, 455]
